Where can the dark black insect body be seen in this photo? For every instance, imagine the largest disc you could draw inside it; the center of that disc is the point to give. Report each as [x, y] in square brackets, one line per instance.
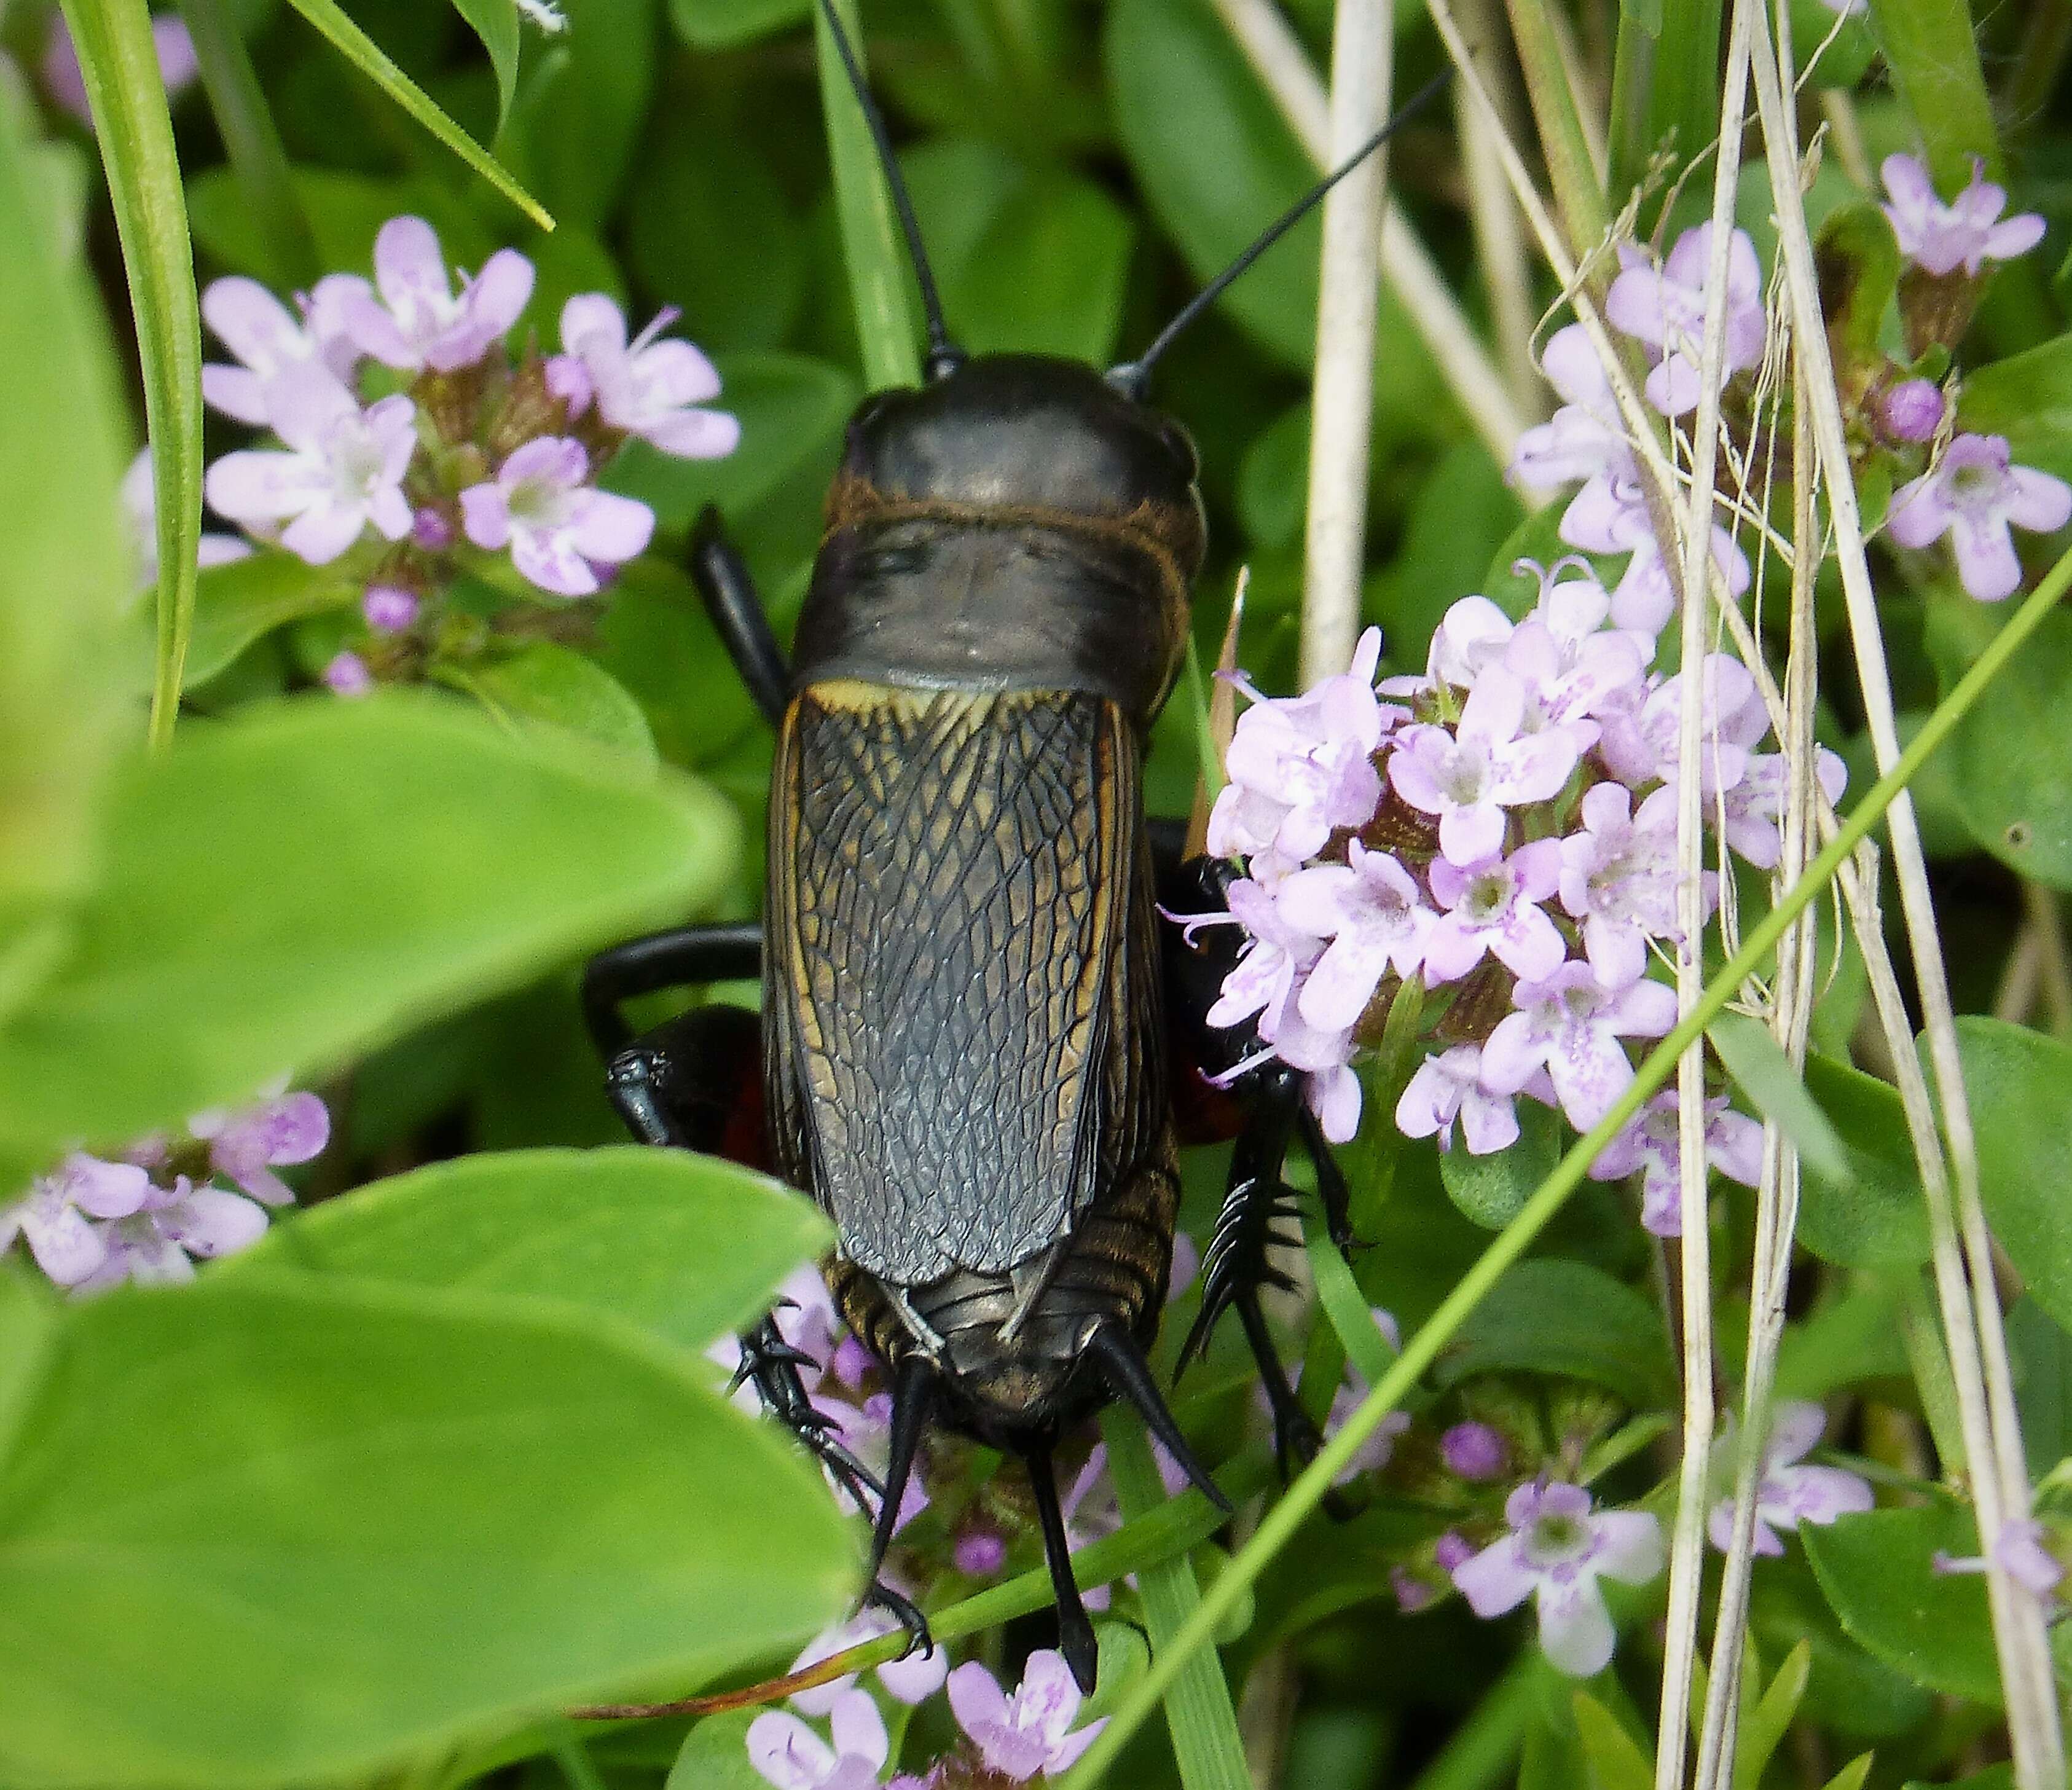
[964, 1053]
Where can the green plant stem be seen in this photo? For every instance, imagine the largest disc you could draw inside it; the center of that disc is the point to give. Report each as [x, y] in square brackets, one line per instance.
[871, 244]
[1206, 1744]
[1281, 1521]
[1578, 192]
[1922, 1336]
[258, 162]
[576, 1767]
[119, 61]
[365, 55]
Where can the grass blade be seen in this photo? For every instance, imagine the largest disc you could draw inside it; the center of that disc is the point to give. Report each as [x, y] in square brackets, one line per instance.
[120, 64]
[258, 162]
[1206, 1741]
[368, 57]
[1281, 1521]
[871, 244]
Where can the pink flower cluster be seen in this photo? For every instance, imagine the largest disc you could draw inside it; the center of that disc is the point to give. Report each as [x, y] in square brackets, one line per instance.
[462, 443]
[1503, 828]
[151, 1213]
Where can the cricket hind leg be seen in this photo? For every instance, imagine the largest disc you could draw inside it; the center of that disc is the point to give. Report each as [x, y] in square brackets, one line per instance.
[1076, 1628]
[1266, 1108]
[679, 957]
[694, 1082]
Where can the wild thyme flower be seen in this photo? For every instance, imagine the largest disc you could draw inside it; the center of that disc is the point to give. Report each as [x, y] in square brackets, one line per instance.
[1973, 494]
[1967, 232]
[1569, 1025]
[1666, 308]
[1556, 1550]
[646, 387]
[2019, 1551]
[418, 320]
[268, 341]
[1651, 1145]
[913, 1679]
[1031, 1732]
[53, 1217]
[140, 508]
[1789, 1493]
[787, 1753]
[558, 527]
[1449, 1086]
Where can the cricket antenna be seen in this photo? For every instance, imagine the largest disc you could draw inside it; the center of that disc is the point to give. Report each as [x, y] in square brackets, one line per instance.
[944, 355]
[1133, 378]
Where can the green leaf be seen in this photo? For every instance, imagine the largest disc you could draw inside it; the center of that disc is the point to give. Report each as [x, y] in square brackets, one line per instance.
[722, 24]
[1931, 49]
[312, 878]
[264, 1531]
[1762, 1072]
[1875, 1569]
[791, 408]
[65, 577]
[2011, 760]
[1206, 1744]
[1617, 1760]
[496, 23]
[1566, 1318]
[118, 60]
[345, 212]
[1763, 1728]
[1876, 1216]
[575, 132]
[655, 637]
[873, 248]
[368, 57]
[2020, 1086]
[544, 684]
[258, 162]
[715, 1755]
[2028, 398]
[687, 1247]
[2043, 1384]
[1030, 259]
[1851, 1776]
[1217, 162]
[1490, 1190]
[237, 604]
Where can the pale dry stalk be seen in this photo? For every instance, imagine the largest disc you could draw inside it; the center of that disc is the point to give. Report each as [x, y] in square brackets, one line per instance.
[1278, 58]
[1991, 1426]
[1687, 1553]
[1341, 396]
[1777, 1197]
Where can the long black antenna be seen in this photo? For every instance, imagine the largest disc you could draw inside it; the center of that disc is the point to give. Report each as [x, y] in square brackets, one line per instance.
[944, 356]
[1132, 377]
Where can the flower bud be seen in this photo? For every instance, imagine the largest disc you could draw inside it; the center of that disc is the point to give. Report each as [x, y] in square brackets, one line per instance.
[1475, 1451]
[1912, 410]
[347, 675]
[388, 608]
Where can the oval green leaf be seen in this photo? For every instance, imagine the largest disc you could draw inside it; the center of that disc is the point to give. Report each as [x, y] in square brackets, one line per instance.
[1876, 1217]
[1566, 1318]
[688, 1247]
[1876, 1569]
[2013, 760]
[298, 885]
[2020, 1085]
[544, 684]
[270, 1531]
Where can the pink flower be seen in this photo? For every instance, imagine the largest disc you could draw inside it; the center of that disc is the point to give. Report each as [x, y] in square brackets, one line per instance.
[1333, 1090]
[1666, 309]
[171, 41]
[646, 387]
[1788, 1494]
[388, 608]
[1276, 955]
[248, 1144]
[1612, 518]
[784, 1752]
[2021, 1553]
[1370, 910]
[1618, 878]
[1752, 807]
[419, 320]
[140, 508]
[1585, 439]
[258, 328]
[1643, 743]
[1650, 1144]
[1300, 766]
[1972, 494]
[913, 1679]
[175, 1227]
[1493, 906]
[1571, 1024]
[1469, 776]
[347, 674]
[343, 469]
[1555, 1552]
[1570, 666]
[559, 528]
[1449, 1086]
[1031, 1732]
[52, 1216]
[1912, 411]
[1968, 233]
[1475, 1451]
